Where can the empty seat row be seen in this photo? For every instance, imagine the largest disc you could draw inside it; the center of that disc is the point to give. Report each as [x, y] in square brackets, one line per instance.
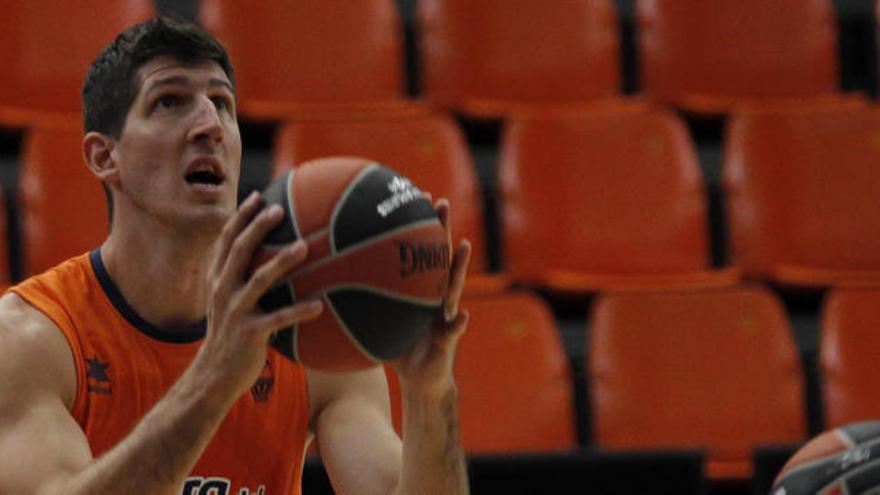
[486, 58]
[713, 370]
[588, 200]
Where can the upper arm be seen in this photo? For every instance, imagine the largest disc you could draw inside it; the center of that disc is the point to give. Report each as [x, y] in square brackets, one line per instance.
[351, 417]
[39, 439]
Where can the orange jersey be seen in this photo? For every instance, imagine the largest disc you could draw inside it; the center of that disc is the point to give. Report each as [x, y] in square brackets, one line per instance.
[124, 365]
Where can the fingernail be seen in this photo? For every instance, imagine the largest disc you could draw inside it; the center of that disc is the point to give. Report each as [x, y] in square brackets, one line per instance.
[449, 314]
[314, 306]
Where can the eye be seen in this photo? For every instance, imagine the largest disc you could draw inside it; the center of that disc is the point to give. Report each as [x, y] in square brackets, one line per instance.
[221, 102]
[168, 101]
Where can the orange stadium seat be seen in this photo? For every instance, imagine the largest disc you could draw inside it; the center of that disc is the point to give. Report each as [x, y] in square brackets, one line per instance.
[515, 384]
[63, 208]
[514, 379]
[784, 49]
[427, 147]
[801, 192]
[46, 48]
[296, 57]
[849, 351]
[490, 57]
[715, 370]
[604, 199]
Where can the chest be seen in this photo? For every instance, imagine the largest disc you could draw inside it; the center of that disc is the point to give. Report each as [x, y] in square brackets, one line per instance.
[262, 437]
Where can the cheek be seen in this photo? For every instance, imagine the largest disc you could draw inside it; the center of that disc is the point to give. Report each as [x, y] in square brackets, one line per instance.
[141, 160]
[235, 153]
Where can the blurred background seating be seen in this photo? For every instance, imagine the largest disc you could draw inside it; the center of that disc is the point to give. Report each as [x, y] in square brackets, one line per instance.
[613, 161]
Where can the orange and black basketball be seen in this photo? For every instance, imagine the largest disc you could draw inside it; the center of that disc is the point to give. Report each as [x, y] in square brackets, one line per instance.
[840, 461]
[378, 258]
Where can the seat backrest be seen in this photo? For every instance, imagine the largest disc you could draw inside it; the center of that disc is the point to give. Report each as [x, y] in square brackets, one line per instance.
[848, 352]
[712, 369]
[46, 47]
[606, 192]
[801, 190]
[310, 51]
[427, 148]
[515, 384]
[484, 56]
[783, 48]
[63, 207]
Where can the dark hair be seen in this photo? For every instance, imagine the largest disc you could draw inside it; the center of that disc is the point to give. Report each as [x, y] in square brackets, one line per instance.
[110, 87]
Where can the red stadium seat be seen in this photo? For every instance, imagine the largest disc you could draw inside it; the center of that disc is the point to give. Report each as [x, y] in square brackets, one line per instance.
[303, 56]
[63, 208]
[848, 354]
[515, 384]
[46, 48]
[487, 58]
[426, 147]
[716, 370]
[604, 199]
[708, 56]
[801, 191]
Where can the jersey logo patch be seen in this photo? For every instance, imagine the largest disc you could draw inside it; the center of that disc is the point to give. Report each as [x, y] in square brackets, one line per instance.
[263, 386]
[98, 379]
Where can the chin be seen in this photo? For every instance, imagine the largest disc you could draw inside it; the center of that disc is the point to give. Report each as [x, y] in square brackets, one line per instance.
[208, 221]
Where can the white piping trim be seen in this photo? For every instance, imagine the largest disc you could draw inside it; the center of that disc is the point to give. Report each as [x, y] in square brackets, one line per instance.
[344, 327]
[338, 206]
[372, 240]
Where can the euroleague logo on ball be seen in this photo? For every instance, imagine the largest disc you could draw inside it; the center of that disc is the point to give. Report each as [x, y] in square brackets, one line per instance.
[402, 192]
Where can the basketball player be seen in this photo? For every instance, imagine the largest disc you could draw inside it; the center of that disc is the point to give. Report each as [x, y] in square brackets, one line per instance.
[142, 367]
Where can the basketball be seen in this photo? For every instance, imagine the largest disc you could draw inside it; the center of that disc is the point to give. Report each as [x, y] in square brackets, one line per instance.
[843, 460]
[378, 258]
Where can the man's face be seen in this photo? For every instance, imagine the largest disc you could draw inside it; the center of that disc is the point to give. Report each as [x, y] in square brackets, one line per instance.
[179, 153]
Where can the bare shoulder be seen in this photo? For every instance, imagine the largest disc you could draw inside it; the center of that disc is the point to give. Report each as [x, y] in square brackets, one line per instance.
[34, 355]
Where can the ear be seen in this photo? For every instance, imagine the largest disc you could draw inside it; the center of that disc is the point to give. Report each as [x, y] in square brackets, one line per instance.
[98, 153]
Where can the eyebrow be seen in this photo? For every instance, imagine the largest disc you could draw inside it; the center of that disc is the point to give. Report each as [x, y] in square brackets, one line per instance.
[176, 80]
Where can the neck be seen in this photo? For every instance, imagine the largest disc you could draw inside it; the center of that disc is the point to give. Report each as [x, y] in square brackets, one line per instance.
[161, 275]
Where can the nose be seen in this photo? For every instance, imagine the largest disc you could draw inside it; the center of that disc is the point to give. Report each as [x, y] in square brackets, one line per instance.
[207, 126]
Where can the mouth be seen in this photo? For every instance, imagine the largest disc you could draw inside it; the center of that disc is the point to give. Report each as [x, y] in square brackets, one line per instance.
[205, 172]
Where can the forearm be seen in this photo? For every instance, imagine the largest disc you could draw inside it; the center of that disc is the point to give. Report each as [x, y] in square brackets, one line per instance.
[433, 459]
[162, 449]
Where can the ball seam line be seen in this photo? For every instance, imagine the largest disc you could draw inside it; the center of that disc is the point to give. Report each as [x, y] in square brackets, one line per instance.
[419, 301]
[361, 244]
[351, 337]
[342, 199]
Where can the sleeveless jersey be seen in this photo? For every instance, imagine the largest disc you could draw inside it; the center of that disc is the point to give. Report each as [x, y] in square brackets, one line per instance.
[124, 365]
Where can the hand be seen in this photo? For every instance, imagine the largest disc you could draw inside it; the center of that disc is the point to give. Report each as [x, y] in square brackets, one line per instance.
[236, 343]
[428, 367]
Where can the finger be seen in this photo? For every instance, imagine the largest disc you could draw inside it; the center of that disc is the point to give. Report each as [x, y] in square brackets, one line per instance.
[442, 208]
[459, 325]
[457, 278]
[268, 274]
[242, 250]
[287, 316]
[453, 331]
[233, 227]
